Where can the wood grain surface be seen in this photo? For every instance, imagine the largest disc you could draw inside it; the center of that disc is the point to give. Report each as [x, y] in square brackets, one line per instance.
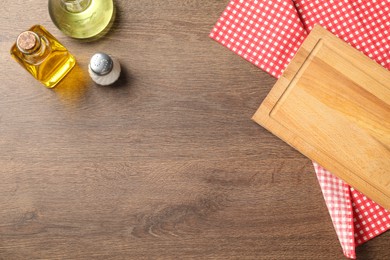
[344, 122]
[165, 164]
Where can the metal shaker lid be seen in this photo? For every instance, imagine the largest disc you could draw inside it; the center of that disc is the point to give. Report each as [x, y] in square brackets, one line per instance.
[101, 63]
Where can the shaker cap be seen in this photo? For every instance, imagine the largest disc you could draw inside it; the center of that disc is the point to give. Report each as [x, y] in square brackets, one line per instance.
[101, 63]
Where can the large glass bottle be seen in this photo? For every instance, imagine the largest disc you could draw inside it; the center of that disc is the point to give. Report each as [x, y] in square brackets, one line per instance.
[42, 55]
[82, 19]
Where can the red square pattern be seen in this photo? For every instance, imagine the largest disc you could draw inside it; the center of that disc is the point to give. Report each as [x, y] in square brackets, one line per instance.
[269, 33]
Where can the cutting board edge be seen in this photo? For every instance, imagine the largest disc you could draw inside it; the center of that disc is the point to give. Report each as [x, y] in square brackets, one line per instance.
[313, 154]
[263, 117]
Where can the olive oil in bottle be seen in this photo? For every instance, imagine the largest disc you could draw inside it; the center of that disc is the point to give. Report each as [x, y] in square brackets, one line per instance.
[82, 19]
[42, 55]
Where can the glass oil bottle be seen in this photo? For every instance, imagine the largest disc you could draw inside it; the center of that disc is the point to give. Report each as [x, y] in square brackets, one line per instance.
[82, 19]
[42, 55]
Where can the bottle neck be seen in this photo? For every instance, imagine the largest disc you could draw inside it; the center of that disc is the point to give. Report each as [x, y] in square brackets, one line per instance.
[76, 6]
[34, 47]
[28, 42]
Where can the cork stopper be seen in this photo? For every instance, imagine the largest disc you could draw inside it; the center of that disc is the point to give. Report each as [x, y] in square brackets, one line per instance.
[28, 42]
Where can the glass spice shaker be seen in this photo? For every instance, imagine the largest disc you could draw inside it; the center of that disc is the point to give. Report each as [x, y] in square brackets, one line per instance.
[42, 55]
[82, 19]
[104, 69]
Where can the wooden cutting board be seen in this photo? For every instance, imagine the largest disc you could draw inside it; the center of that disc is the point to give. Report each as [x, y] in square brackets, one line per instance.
[332, 104]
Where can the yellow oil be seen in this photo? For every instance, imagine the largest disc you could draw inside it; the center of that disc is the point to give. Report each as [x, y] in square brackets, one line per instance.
[50, 66]
[91, 20]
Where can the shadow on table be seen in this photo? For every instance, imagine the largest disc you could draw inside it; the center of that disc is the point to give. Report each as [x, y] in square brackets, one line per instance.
[74, 86]
[125, 79]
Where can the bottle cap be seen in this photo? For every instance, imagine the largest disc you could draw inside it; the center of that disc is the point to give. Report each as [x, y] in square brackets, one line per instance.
[75, 6]
[27, 42]
[101, 64]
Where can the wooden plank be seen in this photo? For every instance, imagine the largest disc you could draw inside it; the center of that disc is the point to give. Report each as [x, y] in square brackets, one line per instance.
[332, 105]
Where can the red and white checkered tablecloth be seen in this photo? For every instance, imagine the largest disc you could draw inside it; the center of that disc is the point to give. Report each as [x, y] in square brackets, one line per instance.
[268, 33]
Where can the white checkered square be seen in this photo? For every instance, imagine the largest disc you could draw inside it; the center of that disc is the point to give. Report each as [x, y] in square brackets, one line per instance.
[269, 32]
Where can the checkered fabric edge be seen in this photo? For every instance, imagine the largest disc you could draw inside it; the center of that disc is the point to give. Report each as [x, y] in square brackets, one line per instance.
[268, 34]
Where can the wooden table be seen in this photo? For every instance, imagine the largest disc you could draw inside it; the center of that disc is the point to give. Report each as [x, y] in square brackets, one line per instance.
[164, 164]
